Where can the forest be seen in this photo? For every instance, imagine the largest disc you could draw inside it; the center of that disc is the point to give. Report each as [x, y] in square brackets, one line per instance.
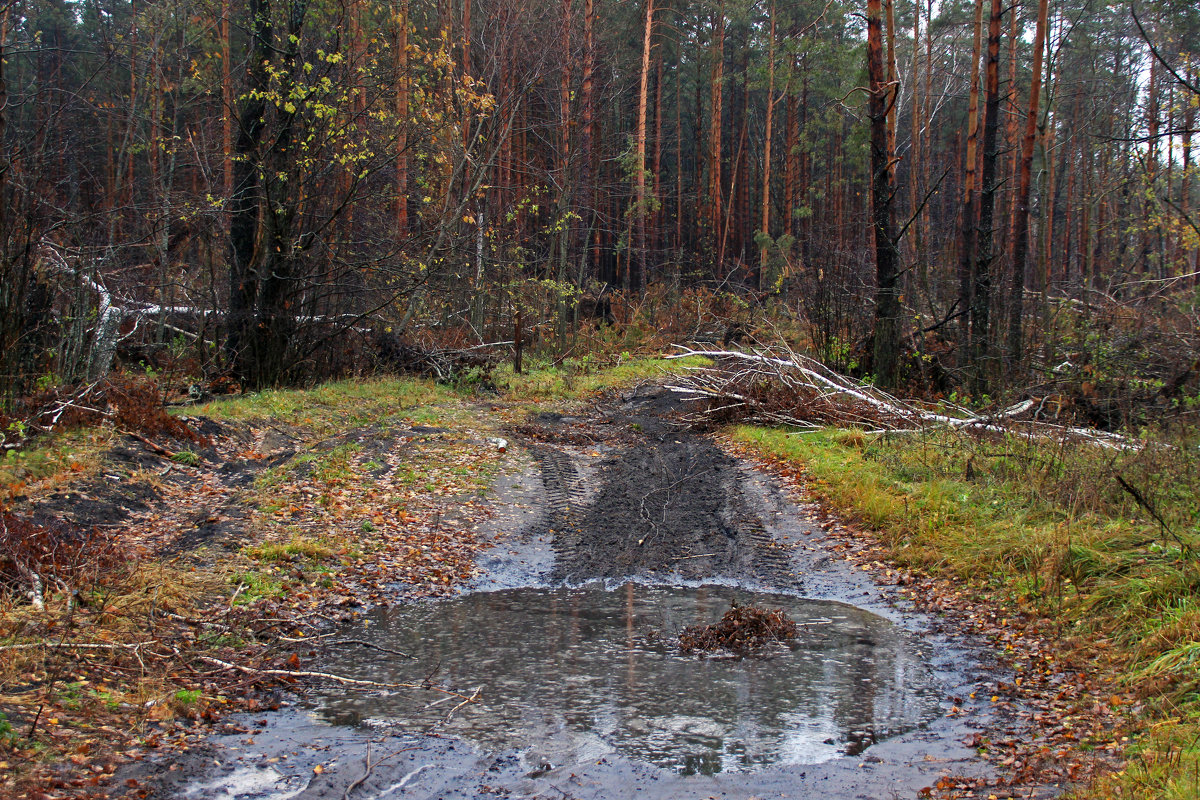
[953, 197]
[314, 310]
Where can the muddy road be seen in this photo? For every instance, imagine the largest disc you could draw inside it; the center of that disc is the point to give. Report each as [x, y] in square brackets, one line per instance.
[613, 531]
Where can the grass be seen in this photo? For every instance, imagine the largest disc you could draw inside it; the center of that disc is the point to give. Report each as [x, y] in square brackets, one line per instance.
[62, 458]
[1163, 765]
[255, 585]
[297, 547]
[577, 378]
[1050, 530]
[331, 407]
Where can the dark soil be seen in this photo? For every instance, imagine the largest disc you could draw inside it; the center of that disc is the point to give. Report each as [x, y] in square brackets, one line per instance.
[669, 503]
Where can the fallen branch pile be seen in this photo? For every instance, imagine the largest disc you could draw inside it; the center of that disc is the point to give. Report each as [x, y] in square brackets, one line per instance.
[741, 630]
[443, 364]
[781, 387]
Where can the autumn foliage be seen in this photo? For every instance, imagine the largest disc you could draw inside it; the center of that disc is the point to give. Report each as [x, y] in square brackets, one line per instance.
[53, 555]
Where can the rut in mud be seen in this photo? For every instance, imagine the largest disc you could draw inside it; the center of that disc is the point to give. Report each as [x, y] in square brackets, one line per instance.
[669, 504]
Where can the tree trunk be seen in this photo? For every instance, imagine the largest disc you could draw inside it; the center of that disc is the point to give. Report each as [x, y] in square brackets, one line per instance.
[465, 124]
[716, 88]
[791, 159]
[1048, 196]
[656, 161]
[970, 198]
[5, 164]
[679, 151]
[400, 67]
[767, 137]
[893, 84]
[982, 285]
[244, 204]
[740, 192]
[565, 220]
[227, 109]
[1148, 225]
[587, 122]
[1020, 223]
[804, 234]
[642, 201]
[699, 189]
[914, 161]
[886, 339]
[1189, 122]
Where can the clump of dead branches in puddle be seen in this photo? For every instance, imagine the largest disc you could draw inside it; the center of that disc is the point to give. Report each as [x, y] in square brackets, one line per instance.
[778, 386]
[742, 630]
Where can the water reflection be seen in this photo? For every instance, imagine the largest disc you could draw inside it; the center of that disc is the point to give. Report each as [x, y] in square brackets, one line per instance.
[589, 670]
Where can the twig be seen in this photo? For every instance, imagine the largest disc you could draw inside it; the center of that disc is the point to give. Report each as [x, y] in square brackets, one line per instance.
[366, 774]
[162, 451]
[1144, 503]
[329, 676]
[75, 646]
[372, 645]
[466, 700]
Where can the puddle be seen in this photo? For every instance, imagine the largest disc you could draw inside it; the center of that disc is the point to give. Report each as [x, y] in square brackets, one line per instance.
[241, 782]
[576, 674]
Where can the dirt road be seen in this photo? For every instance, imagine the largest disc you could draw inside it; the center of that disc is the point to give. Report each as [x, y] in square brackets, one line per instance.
[625, 496]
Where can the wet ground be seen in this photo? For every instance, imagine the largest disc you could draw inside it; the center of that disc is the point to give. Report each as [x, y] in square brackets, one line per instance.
[621, 529]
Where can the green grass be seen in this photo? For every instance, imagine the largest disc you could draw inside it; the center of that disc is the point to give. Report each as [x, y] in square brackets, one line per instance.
[577, 378]
[258, 585]
[63, 455]
[1164, 764]
[297, 547]
[186, 457]
[929, 521]
[330, 407]
[1048, 529]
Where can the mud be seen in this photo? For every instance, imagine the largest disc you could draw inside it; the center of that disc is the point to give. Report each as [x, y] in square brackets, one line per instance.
[626, 497]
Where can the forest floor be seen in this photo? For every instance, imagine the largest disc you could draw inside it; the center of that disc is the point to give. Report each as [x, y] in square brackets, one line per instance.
[207, 660]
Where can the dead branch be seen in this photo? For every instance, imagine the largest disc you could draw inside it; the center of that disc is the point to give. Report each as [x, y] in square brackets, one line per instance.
[75, 646]
[779, 386]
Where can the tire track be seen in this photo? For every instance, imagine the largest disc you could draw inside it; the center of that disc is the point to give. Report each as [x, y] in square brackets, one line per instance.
[666, 504]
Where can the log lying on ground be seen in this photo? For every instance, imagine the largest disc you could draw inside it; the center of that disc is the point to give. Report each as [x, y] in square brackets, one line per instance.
[781, 387]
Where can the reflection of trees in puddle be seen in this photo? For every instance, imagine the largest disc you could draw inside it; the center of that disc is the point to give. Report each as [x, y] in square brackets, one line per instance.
[586, 666]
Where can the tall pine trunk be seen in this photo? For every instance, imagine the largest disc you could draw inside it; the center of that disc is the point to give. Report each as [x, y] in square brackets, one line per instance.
[766, 187]
[1020, 231]
[716, 89]
[967, 243]
[886, 339]
[981, 287]
[587, 123]
[637, 249]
